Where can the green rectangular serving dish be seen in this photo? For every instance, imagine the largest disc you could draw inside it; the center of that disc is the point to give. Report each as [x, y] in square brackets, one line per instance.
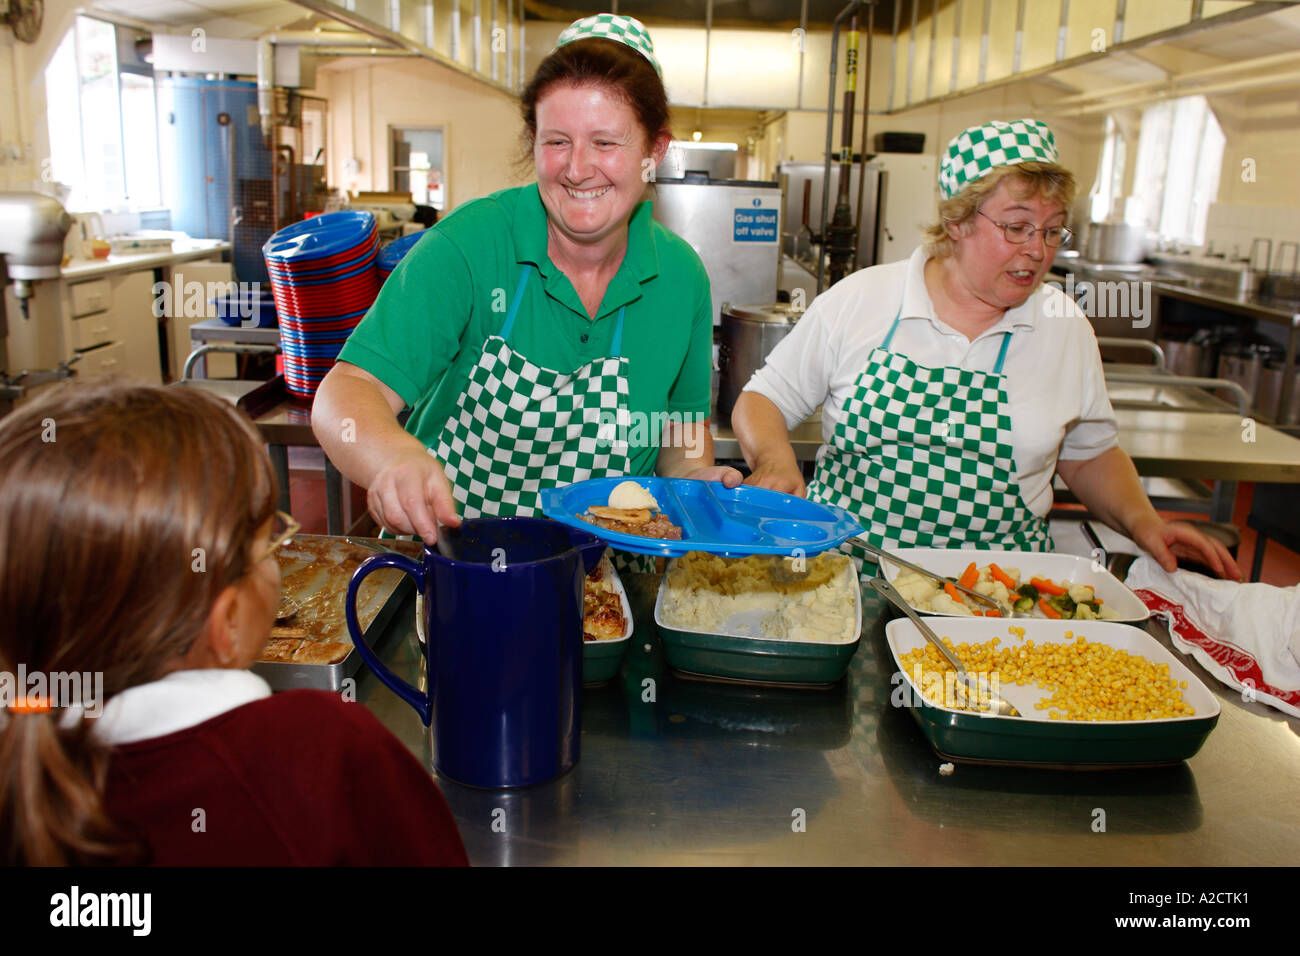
[761, 660]
[602, 659]
[1037, 740]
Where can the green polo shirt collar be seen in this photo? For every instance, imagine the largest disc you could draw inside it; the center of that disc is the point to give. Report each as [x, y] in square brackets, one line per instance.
[640, 263]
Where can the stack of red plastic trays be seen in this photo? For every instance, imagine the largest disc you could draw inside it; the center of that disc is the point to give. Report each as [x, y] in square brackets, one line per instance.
[323, 280]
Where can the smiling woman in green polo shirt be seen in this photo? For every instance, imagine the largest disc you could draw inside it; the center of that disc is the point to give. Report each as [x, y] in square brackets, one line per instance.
[541, 335]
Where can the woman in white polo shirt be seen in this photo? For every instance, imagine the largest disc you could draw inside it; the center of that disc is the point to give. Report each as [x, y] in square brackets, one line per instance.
[954, 385]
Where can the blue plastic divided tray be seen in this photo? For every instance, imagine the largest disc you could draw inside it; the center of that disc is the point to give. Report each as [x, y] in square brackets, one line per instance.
[732, 522]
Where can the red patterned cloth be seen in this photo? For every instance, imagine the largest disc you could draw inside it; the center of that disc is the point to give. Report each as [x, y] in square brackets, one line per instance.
[1246, 635]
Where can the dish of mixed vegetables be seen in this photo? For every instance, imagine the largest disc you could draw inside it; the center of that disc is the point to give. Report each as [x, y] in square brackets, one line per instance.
[1039, 596]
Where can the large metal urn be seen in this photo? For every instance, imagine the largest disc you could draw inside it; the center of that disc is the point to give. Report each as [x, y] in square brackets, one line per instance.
[749, 333]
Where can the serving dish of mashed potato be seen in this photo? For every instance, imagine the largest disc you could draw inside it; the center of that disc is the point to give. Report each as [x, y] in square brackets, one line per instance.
[760, 619]
[750, 597]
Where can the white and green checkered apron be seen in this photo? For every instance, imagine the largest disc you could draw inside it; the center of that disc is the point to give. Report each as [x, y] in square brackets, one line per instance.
[923, 459]
[521, 427]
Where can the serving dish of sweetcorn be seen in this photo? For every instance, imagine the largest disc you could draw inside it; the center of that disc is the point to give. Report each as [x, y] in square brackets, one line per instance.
[1091, 694]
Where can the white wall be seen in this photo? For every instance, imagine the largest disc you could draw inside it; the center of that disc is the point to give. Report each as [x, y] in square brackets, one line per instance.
[24, 136]
[367, 97]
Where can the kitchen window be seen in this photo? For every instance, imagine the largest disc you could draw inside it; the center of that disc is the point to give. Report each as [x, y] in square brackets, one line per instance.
[1110, 175]
[1179, 156]
[103, 121]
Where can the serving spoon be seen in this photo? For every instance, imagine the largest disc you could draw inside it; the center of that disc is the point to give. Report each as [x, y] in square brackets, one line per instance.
[788, 575]
[998, 705]
[1007, 610]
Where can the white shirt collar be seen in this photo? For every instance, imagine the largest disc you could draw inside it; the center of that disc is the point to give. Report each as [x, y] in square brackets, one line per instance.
[917, 304]
[181, 700]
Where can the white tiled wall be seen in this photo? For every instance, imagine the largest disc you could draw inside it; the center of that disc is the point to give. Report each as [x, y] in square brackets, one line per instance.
[1232, 228]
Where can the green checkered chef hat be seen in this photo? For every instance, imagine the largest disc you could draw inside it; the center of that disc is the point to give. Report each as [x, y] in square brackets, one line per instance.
[974, 153]
[610, 26]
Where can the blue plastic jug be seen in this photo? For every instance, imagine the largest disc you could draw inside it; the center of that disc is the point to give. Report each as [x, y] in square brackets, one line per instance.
[503, 614]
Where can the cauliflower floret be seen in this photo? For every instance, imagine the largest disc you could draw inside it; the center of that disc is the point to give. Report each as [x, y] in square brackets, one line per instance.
[1081, 592]
[942, 604]
[916, 589]
[994, 589]
[1083, 612]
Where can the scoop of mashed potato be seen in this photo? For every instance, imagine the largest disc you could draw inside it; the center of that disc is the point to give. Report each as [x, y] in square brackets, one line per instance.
[628, 494]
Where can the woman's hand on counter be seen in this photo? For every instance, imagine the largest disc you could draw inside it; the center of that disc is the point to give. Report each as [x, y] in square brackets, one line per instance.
[1109, 487]
[1167, 541]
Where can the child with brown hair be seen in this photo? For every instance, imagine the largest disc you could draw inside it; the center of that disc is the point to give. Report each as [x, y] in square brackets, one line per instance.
[138, 534]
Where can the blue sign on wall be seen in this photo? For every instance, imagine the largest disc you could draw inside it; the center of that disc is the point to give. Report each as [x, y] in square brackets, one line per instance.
[754, 225]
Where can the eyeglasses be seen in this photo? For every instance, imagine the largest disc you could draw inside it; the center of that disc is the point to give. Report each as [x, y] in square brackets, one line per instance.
[1018, 233]
[283, 528]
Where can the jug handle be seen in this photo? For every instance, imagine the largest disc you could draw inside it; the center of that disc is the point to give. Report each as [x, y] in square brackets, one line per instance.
[398, 686]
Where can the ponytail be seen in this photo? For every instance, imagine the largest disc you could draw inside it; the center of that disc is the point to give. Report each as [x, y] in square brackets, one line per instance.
[98, 529]
[51, 805]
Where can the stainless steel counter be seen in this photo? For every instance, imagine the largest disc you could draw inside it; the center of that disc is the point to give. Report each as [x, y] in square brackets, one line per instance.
[714, 774]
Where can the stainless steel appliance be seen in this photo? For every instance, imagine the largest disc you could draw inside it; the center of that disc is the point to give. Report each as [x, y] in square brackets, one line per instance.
[32, 230]
[716, 160]
[1116, 242]
[734, 225]
[800, 178]
[749, 333]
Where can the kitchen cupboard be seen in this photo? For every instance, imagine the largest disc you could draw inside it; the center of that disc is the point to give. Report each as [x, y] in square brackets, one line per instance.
[185, 279]
[106, 321]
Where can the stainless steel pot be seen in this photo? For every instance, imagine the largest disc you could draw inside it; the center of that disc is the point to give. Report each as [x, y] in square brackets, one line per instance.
[1116, 242]
[1242, 364]
[1270, 393]
[1182, 358]
[749, 333]
[1197, 356]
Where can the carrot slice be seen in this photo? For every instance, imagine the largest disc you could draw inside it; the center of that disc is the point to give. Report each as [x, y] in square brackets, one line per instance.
[1000, 575]
[1047, 609]
[969, 576]
[952, 592]
[992, 612]
[1045, 586]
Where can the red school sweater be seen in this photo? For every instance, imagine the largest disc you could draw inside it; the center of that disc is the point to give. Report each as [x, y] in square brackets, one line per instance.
[298, 778]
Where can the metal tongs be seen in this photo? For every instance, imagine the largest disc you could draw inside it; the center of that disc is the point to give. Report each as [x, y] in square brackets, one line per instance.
[997, 705]
[788, 574]
[1006, 610]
